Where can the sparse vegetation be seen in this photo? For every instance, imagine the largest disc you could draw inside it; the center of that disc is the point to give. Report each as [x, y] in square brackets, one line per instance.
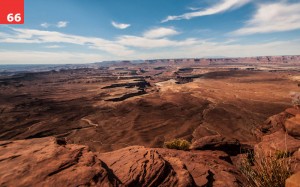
[282, 154]
[266, 171]
[179, 144]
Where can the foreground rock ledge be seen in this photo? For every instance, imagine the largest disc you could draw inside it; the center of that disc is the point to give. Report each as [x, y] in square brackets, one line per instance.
[50, 162]
[293, 181]
[43, 162]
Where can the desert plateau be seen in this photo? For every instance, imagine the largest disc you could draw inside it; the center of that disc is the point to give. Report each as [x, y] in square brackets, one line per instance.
[106, 125]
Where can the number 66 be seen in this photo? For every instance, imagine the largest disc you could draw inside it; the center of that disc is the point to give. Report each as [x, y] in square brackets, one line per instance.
[16, 18]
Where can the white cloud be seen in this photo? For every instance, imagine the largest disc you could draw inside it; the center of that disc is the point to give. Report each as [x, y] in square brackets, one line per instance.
[32, 36]
[160, 32]
[4, 35]
[129, 47]
[39, 57]
[45, 25]
[222, 6]
[120, 25]
[223, 49]
[194, 50]
[117, 47]
[155, 38]
[142, 42]
[273, 17]
[194, 8]
[53, 46]
[62, 24]
[150, 43]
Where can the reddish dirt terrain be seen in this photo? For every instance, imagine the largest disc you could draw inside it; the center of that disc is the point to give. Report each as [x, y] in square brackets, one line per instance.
[76, 105]
[221, 106]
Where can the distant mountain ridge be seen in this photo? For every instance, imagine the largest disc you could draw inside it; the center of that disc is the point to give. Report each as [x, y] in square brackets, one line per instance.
[290, 60]
[226, 60]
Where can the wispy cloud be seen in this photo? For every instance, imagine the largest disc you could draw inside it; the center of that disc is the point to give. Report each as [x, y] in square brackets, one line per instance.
[151, 43]
[160, 32]
[220, 7]
[38, 57]
[194, 8]
[129, 47]
[205, 49]
[272, 17]
[45, 25]
[53, 46]
[32, 36]
[155, 38]
[195, 50]
[120, 25]
[62, 24]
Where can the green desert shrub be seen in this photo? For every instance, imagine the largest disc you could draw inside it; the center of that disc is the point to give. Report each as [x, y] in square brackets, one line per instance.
[179, 144]
[266, 171]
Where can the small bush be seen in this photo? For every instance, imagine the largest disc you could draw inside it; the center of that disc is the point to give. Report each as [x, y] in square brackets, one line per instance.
[179, 144]
[266, 171]
[282, 154]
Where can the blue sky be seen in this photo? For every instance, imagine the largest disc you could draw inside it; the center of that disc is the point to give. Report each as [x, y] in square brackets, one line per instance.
[78, 31]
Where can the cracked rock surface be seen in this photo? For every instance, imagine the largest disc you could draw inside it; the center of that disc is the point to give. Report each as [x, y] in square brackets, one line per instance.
[47, 162]
[51, 162]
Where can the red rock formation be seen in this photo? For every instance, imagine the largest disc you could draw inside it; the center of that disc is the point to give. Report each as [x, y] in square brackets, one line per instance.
[52, 162]
[217, 142]
[208, 168]
[277, 142]
[293, 181]
[281, 138]
[292, 126]
[277, 122]
[49, 162]
[282, 131]
[43, 162]
[138, 166]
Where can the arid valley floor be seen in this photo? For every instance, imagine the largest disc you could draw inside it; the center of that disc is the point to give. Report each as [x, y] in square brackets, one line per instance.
[124, 112]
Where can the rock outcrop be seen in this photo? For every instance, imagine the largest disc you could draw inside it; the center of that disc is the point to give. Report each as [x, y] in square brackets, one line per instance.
[138, 166]
[277, 142]
[293, 181]
[282, 133]
[52, 162]
[212, 161]
[292, 126]
[217, 142]
[48, 162]
[277, 122]
[281, 140]
[208, 168]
